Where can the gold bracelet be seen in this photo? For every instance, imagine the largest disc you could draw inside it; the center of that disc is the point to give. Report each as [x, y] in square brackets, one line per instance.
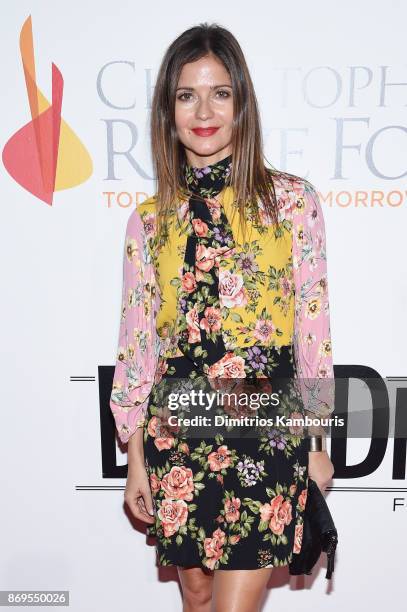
[317, 443]
[140, 423]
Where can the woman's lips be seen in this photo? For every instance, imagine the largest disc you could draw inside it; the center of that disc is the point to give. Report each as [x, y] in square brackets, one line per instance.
[205, 131]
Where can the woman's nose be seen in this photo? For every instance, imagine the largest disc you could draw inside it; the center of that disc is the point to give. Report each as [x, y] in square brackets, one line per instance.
[204, 109]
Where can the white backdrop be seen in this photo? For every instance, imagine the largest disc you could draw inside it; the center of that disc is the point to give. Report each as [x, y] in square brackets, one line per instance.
[331, 81]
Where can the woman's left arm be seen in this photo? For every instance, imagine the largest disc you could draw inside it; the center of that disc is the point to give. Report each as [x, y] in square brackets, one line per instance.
[312, 335]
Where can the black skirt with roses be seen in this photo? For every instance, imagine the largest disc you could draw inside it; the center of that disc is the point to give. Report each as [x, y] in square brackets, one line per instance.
[224, 501]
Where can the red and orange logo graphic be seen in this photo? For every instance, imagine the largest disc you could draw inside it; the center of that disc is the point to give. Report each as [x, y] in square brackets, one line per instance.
[45, 155]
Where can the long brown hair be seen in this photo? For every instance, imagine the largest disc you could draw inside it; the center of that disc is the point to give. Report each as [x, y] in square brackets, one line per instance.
[249, 178]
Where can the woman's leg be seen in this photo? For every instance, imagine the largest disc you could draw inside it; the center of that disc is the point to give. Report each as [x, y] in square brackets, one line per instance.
[239, 590]
[196, 583]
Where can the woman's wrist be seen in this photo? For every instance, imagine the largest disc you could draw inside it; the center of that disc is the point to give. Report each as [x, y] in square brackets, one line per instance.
[135, 451]
[315, 429]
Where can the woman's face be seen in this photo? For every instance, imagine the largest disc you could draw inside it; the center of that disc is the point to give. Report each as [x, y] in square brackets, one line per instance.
[204, 100]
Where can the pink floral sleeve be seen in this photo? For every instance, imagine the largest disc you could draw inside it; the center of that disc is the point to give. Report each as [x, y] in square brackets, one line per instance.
[137, 353]
[312, 334]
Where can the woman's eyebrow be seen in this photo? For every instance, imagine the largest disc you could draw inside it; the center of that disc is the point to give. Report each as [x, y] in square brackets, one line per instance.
[211, 87]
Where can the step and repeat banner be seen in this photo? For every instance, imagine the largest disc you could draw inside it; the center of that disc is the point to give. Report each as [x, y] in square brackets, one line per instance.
[77, 85]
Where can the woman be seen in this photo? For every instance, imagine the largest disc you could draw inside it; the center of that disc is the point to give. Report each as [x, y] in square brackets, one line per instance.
[204, 300]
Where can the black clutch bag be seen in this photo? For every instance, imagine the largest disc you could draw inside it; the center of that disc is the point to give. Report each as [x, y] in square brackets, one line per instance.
[319, 534]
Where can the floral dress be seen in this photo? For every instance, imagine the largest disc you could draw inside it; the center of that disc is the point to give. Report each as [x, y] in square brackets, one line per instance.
[208, 306]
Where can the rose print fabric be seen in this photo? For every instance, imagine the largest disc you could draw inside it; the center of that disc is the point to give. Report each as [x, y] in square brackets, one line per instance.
[222, 502]
[148, 331]
[201, 339]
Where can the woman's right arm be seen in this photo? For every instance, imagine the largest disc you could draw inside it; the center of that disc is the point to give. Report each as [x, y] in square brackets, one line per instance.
[138, 492]
[136, 360]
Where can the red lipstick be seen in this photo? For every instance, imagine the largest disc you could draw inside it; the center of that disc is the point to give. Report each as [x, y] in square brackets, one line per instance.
[205, 131]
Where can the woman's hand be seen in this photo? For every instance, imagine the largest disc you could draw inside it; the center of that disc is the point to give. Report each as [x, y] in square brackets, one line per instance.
[138, 494]
[320, 468]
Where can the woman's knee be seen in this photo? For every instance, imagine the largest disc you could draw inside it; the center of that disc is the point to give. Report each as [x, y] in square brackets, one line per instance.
[240, 590]
[196, 586]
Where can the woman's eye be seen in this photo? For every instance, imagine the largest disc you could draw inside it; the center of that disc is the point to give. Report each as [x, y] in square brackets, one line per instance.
[181, 96]
[185, 95]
